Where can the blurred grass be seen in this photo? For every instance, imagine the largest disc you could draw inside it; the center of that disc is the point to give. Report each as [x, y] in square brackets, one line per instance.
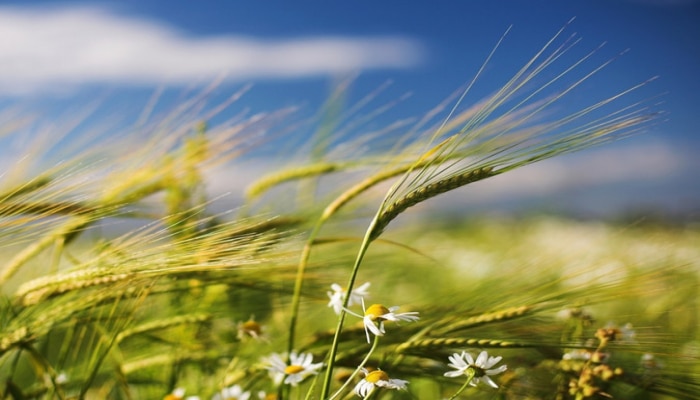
[136, 315]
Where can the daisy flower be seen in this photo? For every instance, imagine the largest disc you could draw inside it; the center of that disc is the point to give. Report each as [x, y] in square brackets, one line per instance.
[376, 314]
[377, 378]
[264, 396]
[250, 329]
[179, 394]
[61, 378]
[337, 296]
[482, 367]
[300, 366]
[232, 393]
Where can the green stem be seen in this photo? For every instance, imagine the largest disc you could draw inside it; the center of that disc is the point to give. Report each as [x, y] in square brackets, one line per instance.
[298, 283]
[341, 318]
[470, 376]
[310, 392]
[358, 369]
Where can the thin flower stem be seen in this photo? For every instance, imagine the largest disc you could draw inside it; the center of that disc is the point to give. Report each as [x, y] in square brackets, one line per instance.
[470, 376]
[341, 318]
[371, 233]
[310, 392]
[358, 369]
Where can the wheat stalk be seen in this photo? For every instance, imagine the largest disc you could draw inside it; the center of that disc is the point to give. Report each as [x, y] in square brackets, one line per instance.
[426, 192]
[488, 317]
[264, 184]
[420, 346]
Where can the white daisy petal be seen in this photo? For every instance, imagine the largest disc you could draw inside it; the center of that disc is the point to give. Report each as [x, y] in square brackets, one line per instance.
[481, 360]
[338, 295]
[489, 381]
[488, 363]
[496, 371]
[453, 374]
[468, 358]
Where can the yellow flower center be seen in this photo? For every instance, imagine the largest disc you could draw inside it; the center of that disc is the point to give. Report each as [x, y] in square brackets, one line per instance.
[293, 369]
[251, 327]
[375, 311]
[376, 376]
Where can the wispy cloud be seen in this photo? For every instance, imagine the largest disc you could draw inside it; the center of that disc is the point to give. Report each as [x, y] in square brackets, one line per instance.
[59, 48]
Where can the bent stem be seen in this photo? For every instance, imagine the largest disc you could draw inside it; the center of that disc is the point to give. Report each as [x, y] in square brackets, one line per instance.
[358, 369]
[470, 375]
[373, 231]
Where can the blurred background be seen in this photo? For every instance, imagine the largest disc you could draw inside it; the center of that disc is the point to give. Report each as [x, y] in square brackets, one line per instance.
[103, 65]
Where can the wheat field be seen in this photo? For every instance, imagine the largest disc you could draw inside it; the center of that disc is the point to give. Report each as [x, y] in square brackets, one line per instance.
[324, 277]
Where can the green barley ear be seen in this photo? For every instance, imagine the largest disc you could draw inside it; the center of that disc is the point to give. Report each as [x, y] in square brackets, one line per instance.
[265, 183]
[426, 192]
[487, 318]
[426, 346]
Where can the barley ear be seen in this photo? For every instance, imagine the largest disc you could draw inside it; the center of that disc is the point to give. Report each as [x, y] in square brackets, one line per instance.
[487, 318]
[428, 345]
[264, 184]
[426, 192]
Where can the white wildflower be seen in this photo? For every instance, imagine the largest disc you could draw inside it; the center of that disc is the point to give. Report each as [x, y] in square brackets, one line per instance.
[300, 366]
[234, 392]
[376, 314]
[375, 379]
[179, 394]
[482, 367]
[250, 329]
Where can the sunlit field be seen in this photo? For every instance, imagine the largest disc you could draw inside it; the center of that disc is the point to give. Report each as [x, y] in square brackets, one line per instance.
[326, 275]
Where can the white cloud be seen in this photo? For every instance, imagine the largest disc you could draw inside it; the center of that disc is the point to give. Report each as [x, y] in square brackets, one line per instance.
[54, 48]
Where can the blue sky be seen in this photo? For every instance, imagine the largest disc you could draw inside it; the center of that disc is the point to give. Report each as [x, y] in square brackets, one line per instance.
[61, 54]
